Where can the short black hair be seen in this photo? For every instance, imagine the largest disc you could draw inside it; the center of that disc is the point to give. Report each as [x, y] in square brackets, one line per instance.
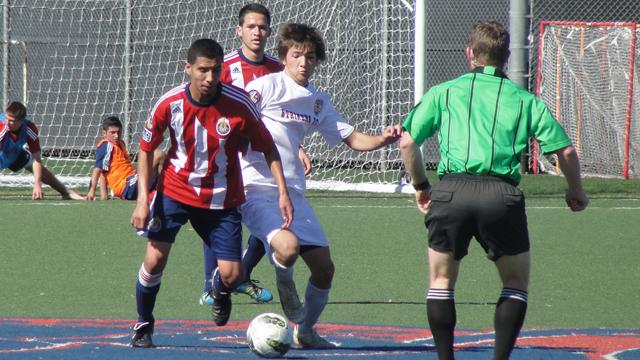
[254, 8]
[292, 34]
[17, 110]
[111, 121]
[207, 48]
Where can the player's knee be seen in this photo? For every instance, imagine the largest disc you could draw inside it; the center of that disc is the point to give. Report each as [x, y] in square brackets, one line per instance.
[286, 248]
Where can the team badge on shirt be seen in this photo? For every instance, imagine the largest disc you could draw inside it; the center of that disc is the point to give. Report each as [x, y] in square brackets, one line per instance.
[223, 127]
[317, 106]
[255, 96]
[155, 224]
[149, 124]
[147, 135]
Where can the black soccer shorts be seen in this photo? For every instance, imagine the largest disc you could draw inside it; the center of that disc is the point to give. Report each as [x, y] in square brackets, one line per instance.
[485, 207]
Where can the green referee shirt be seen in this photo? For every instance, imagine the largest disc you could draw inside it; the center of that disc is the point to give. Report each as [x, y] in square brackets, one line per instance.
[483, 121]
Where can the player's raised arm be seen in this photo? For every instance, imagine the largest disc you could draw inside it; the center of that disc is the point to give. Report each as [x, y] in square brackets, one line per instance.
[363, 142]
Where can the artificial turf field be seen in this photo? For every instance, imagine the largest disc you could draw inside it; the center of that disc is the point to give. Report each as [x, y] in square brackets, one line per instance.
[69, 269]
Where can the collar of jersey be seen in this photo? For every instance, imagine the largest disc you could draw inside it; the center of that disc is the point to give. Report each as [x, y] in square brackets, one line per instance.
[290, 80]
[490, 70]
[198, 103]
[250, 62]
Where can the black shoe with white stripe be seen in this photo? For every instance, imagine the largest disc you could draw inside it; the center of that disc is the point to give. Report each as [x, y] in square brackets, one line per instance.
[142, 332]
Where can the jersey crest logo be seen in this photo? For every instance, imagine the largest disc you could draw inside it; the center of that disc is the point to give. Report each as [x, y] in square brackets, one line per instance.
[147, 135]
[255, 96]
[149, 124]
[223, 127]
[155, 224]
[317, 107]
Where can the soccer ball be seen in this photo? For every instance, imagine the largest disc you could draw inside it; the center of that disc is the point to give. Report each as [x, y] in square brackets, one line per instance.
[269, 335]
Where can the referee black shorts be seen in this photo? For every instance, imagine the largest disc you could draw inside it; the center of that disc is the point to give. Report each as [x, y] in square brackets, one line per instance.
[489, 208]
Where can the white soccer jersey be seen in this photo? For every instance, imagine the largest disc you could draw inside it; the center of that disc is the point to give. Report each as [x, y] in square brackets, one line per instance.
[290, 112]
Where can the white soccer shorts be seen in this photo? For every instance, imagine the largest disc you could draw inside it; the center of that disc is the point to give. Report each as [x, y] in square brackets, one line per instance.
[261, 215]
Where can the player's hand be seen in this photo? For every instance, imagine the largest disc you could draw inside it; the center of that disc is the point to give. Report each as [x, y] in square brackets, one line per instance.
[423, 201]
[576, 200]
[139, 216]
[391, 134]
[91, 195]
[37, 193]
[306, 162]
[286, 210]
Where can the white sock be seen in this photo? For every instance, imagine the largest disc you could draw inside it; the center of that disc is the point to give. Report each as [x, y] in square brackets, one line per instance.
[315, 300]
[283, 273]
[146, 279]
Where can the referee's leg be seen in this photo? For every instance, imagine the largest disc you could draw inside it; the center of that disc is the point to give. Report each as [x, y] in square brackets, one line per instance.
[512, 305]
[441, 309]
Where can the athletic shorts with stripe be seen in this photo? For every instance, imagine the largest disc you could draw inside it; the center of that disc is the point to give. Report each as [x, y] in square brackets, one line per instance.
[220, 229]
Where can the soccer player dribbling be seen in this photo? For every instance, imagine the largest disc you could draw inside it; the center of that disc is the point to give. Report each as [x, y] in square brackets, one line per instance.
[293, 108]
[201, 181]
[484, 122]
[239, 68]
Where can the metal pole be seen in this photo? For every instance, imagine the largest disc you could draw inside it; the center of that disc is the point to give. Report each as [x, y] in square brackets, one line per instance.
[385, 75]
[5, 52]
[127, 78]
[419, 74]
[519, 25]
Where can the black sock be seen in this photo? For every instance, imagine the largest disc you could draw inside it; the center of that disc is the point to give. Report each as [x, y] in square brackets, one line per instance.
[441, 313]
[510, 312]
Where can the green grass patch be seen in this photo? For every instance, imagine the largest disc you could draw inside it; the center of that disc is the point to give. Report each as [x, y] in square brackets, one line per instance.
[80, 259]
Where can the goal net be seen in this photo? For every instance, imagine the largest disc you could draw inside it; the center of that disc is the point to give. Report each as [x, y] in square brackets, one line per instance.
[587, 75]
[90, 59]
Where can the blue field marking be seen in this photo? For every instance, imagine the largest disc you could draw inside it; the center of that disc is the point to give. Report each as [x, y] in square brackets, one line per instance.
[184, 339]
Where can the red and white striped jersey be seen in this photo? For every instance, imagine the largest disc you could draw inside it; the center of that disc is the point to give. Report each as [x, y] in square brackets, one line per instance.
[237, 70]
[202, 168]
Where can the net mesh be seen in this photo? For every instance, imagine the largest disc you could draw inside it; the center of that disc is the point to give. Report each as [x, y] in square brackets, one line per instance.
[587, 77]
[90, 59]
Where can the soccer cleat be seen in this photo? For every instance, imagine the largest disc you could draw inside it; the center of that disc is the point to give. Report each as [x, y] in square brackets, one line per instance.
[221, 308]
[206, 299]
[260, 295]
[290, 301]
[142, 332]
[310, 340]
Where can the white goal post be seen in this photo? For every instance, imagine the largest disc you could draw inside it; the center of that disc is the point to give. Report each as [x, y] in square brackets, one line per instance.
[90, 59]
[588, 76]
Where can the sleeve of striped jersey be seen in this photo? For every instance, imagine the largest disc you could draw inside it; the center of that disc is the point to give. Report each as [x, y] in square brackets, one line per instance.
[424, 119]
[103, 156]
[33, 140]
[546, 130]
[3, 131]
[153, 131]
[225, 77]
[333, 127]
